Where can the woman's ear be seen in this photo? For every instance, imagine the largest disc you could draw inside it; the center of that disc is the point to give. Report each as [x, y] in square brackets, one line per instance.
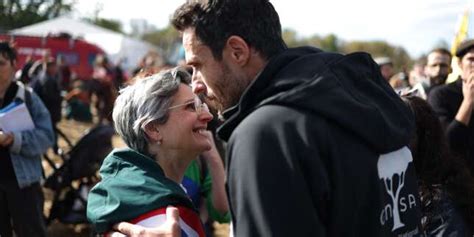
[153, 133]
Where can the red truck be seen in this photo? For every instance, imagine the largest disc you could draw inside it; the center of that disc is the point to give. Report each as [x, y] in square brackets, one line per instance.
[76, 53]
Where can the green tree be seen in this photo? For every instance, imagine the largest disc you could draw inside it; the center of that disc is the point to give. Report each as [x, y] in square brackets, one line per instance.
[18, 13]
[166, 38]
[111, 24]
[330, 43]
[401, 59]
[291, 38]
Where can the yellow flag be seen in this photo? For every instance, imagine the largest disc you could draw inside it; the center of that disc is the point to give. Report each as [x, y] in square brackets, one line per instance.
[461, 35]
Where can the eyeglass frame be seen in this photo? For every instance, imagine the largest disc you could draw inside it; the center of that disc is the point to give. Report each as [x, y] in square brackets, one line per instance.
[199, 106]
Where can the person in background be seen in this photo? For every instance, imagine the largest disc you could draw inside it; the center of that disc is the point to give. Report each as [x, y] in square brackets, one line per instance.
[65, 74]
[21, 197]
[385, 66]
[438, 67]
[24, 74]
[78, 102]
[103, 87]
[454, 102]
[48, 88]
[445, 184]
[417, 73]
[164, 126]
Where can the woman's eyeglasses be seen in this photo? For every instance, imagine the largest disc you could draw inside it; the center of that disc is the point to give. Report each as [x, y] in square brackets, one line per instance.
[197, 105]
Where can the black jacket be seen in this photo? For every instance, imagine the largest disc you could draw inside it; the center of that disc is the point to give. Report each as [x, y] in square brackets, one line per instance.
[305, 147]
[446, 101]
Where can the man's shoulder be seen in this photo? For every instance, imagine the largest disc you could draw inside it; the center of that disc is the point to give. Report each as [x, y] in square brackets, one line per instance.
[444, 91]
[272, 118]
[450, 87]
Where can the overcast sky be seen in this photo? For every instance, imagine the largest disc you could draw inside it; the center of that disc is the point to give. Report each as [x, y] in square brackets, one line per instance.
[416, 25]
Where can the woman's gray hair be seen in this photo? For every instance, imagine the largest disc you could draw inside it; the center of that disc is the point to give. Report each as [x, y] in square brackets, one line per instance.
[144, 102]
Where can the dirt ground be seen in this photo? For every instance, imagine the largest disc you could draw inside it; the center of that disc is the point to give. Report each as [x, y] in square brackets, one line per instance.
[73, 131]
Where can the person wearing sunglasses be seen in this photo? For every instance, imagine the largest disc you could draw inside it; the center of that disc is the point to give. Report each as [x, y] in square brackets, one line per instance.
[165, 128]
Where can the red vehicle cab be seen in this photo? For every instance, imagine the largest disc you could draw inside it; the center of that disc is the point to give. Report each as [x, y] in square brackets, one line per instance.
[76, 53]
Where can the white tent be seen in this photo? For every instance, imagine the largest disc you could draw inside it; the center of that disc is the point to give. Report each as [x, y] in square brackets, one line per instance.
[116, 45]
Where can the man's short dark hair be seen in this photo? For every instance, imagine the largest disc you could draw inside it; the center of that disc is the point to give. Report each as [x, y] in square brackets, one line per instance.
[7, 51]
[441, 51]
[214, 21]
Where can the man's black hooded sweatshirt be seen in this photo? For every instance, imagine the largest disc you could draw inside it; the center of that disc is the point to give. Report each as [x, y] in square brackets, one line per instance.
[317, 147]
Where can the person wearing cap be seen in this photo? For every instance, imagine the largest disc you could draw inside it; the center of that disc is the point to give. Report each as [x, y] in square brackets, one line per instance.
[454, 102]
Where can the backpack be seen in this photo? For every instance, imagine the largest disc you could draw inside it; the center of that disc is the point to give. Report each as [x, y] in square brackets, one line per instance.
[24, 93]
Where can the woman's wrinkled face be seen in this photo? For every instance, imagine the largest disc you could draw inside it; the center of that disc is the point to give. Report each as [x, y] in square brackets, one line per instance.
[184, 130]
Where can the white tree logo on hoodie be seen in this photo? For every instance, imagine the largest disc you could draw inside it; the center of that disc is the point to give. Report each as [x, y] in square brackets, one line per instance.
[388, 166]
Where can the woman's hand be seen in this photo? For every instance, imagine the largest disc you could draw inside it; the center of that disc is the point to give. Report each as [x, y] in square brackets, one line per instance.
[169, 229]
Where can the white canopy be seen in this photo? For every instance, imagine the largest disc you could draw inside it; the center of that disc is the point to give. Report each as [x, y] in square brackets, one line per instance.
[116, 45]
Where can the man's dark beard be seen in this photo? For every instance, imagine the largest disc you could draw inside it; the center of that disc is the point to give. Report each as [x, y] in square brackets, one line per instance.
[439, 80]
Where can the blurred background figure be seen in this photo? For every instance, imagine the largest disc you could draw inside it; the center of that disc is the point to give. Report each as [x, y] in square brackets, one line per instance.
[445, 184]
[399, 81]
[24, 75]
[38, 67]
[48, 88]
[438, 67]
[151, 62]
[386, 67]
[103, 87]
[78, 102]
[65, 74]
[417, 73]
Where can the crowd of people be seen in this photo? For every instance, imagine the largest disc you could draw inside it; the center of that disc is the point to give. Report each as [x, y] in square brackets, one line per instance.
[316, 143]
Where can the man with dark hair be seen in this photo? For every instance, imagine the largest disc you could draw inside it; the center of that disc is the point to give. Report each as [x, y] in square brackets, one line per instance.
[316, 141]
[435, 72]
[21, 197]
[438, 67]
[454, 103]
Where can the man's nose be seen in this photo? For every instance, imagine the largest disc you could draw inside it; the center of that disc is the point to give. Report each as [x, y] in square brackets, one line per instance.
[199, 87]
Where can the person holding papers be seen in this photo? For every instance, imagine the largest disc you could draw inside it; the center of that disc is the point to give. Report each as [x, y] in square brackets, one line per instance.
[21, 197]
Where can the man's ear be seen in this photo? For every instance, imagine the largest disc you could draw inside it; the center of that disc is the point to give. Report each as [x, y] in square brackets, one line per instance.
[237, 49]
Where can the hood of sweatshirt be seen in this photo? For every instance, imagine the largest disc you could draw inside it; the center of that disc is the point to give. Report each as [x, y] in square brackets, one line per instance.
[348, 90]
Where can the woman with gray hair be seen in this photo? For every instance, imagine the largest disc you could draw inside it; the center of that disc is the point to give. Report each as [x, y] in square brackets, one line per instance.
[164, 125]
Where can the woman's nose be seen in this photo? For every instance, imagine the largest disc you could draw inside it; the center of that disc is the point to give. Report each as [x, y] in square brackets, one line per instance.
[206, 116]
